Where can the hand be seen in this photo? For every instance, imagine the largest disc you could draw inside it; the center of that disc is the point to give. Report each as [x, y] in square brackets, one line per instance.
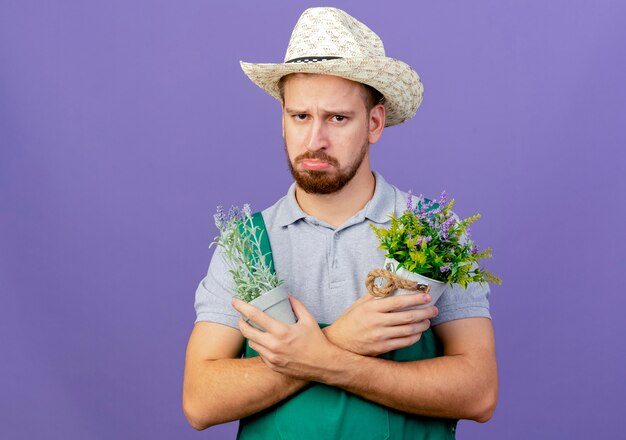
[372, 326]
[298, 350]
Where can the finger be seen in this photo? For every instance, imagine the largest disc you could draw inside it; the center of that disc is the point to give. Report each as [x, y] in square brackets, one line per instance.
[402, 331]
[257, 316]
[302, 313]
[398, 343]
[398, 302]
[409, 316]
[264, 353]
[253, 334]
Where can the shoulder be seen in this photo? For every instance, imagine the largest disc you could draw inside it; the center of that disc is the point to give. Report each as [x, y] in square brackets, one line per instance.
[273, 214]
[404, 200]
[284, 212]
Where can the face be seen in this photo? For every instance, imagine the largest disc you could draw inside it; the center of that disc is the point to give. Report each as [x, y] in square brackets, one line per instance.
[327, 131]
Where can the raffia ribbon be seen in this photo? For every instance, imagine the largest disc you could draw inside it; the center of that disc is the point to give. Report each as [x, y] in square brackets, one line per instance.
[392, 282]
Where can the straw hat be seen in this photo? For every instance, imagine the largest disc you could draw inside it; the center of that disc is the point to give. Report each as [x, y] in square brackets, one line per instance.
[329, 41]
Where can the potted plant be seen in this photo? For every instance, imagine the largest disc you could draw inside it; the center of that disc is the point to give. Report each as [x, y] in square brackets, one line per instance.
[247, 253]
[429, 244]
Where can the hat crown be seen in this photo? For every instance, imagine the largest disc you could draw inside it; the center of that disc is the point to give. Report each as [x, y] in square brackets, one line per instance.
[331, 32]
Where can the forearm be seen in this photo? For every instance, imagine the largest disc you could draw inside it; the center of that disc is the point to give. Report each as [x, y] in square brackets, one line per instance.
[447, 386]
[223, 390]
[460, 384]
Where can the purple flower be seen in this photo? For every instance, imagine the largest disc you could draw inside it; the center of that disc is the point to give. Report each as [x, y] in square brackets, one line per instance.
[246, 210]
[426, 212]
[424, 239]
[474, 249]
[445, 227]
[409, 202]
[219, 217]
[427, 206]
[233, 213]
[442, 203]
[442, 199]
[445, 268]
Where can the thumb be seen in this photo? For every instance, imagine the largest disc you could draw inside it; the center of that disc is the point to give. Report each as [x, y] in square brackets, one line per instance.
[302, 313]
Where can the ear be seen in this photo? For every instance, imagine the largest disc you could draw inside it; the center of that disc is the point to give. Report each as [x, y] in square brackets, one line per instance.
[282, 118]
[376, 123]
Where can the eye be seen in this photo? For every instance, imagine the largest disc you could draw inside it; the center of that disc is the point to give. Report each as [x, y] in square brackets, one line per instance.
[339, 118]
[300, 117]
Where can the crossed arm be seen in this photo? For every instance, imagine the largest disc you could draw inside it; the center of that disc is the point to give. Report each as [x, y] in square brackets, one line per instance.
[461, 384]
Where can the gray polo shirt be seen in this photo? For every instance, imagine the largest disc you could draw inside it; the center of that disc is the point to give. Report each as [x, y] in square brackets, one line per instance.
[326, 267]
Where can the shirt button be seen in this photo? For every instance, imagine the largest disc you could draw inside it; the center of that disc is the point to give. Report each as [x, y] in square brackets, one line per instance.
[336, 236]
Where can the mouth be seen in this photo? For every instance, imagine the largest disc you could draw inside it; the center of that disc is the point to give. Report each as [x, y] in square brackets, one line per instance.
[314, 164]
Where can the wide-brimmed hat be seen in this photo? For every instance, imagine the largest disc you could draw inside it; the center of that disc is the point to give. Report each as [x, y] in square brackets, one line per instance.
[329, 41]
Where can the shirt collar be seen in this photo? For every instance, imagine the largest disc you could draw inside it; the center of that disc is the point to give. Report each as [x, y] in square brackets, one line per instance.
[378, 209]
[383, 202]
[290, 212]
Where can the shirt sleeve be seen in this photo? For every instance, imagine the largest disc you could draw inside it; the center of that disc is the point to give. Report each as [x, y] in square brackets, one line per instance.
[215, 292]
[457, 303]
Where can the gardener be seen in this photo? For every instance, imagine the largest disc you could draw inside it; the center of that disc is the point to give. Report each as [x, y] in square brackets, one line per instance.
[353, 366]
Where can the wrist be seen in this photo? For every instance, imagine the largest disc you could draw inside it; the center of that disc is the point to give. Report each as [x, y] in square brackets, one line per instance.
[329, 333]
[334, 338]
[339, 366]
[293, 383]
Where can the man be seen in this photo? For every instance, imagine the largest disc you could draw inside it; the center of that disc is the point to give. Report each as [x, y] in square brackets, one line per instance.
[378, 370]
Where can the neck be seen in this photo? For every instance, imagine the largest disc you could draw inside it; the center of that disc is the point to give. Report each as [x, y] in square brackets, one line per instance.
[338, 207]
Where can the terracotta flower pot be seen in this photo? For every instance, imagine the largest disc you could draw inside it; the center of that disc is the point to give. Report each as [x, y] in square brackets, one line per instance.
[276, 304]
[436, 287]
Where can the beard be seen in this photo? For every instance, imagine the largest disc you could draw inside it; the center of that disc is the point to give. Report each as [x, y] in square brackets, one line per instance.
[324, 182]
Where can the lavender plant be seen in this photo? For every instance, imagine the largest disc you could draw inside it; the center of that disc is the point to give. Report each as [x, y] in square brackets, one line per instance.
[240, 240]
[432, 241]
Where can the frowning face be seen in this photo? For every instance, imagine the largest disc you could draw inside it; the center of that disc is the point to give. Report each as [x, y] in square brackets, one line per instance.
[327, 130]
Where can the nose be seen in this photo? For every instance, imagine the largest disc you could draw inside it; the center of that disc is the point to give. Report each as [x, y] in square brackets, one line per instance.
[318, 136]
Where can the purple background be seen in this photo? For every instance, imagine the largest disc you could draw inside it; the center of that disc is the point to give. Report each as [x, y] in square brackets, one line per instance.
[123, 124]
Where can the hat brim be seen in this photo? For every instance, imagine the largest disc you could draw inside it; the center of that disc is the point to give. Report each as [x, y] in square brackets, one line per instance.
[396, 80]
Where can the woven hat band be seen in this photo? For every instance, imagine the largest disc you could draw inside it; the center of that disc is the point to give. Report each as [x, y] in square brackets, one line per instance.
[311, 59]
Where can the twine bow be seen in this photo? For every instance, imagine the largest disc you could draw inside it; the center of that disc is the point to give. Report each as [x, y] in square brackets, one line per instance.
[382, 282]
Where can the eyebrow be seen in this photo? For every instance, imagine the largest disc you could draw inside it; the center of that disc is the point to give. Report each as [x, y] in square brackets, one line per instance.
[292, 111]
